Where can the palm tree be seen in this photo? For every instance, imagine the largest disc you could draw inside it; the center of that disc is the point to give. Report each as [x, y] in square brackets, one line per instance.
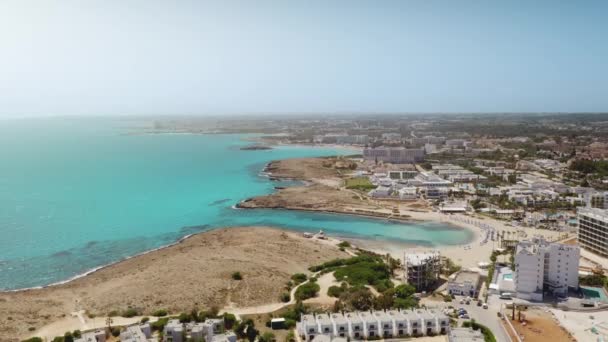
[109, 322]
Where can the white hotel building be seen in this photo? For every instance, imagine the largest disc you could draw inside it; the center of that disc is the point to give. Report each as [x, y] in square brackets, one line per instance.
[542, 267]
[394, 155]
[372, 325]
[593, 230]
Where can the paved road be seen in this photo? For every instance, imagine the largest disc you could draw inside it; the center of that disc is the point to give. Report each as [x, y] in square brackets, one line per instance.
[487, 317]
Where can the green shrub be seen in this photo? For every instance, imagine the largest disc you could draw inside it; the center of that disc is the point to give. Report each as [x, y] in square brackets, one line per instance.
[285, 297]
[115, 331]
[130, 312]
[308, 290]
[160, 324]
[229, 320]
[237, 276]
[344, 244]
[266, 337]
[160, 313]
[335, 291]
[144, 319]
[299, 278]
[33, 339]
[185, 317]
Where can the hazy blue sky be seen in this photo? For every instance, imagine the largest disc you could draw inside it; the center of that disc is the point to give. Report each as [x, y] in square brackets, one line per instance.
[200, 57]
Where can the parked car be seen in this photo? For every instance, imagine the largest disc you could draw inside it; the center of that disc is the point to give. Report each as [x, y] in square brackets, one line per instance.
[485, 305]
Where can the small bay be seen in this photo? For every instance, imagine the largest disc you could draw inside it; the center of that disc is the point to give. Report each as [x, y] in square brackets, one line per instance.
[76, 194]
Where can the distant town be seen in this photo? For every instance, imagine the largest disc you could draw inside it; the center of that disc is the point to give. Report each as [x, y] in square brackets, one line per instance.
[532, 189]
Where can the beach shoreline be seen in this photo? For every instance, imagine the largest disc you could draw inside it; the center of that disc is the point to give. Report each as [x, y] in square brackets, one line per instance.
[265, 256]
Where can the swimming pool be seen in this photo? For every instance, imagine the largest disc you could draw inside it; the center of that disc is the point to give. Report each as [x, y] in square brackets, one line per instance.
[508, 276]
[594, 293]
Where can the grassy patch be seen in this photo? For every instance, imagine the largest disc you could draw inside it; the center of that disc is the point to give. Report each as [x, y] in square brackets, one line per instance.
[359, 183]
[365, 269]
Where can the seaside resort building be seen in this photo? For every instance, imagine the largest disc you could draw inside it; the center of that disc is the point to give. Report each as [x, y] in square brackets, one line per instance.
[542, 267]
[372, 325]
[464, 283]
[211, 330]
[394, 155]
[593, 230]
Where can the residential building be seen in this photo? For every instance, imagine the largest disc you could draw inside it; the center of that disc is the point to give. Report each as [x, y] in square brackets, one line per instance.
[136, 333]
[98, 335]
[325, 324]
[597, 199]
[340, 325]
[394, 155]
[308, 327]
[401, 324]
[385, 324]
[408, 193]
[391, 136]
[370, 325]
[401, 174]
[464, 283]
[593, 230]
[541, 267]
[381, 191]
[355, 326]
[173, 331]
[422, 269]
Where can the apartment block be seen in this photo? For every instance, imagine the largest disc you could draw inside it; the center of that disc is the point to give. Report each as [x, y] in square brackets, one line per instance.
[542, 267]
[593, 230]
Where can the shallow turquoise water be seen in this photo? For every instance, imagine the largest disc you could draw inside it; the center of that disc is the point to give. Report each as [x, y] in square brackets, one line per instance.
[77, 194]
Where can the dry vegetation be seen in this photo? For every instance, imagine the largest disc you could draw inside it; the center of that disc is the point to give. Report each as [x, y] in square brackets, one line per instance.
[197, 272]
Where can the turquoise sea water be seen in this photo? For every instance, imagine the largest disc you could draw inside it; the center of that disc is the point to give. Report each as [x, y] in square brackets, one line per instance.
[77, 194]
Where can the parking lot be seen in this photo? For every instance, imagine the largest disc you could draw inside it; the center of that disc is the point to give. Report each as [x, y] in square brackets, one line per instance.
[487, 317]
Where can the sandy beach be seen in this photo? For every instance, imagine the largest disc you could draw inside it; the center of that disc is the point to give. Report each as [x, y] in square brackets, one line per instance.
[195, 273]
[324, 193]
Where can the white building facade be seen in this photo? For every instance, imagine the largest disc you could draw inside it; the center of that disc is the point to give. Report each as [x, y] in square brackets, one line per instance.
[593, 230]
[542, 267]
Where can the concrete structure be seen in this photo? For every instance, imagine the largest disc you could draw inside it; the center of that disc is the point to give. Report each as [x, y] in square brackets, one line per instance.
[355, 326]
[136, 333]
[394, 155]
[408, 193]
[422, 269]
[407, 174]
[401, 324]
[465, 335]
[593, 230]
[541, 267]
[464, 283]
[225, 337]
[385, 324]
[325, 324]
[307, 327]
[340, 325]
[98, 335]
[371, 325]
[174, 331]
